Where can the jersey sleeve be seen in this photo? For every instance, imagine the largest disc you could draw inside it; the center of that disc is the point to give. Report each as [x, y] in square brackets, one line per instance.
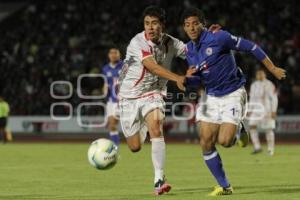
[228, 41]
[140, 49]
[180, 48]
[104, 71]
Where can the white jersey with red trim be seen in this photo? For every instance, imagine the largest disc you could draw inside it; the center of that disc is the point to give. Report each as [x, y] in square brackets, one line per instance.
[135, 80]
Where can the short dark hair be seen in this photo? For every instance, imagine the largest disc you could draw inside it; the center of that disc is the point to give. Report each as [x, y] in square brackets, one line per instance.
[155, 11]
[193, 12]
[113, 47]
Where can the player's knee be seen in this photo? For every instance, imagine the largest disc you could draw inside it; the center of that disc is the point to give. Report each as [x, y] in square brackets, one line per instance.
[135, 148]
[226, 142]
[155, 132]
[112, 127]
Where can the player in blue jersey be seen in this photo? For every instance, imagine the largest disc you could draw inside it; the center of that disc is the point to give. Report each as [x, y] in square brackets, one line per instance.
[111, 71]
[210, 53]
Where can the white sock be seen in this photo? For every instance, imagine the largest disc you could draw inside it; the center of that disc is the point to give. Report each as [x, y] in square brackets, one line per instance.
[114, 133]
[255, 139]
[270, 137]
[158, 157]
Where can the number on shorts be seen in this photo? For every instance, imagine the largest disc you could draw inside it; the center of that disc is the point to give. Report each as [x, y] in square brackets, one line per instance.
[233, 111]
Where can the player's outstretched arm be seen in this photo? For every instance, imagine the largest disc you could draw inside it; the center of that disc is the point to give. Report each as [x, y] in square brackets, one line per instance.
[158, 70]
[240, 44]
[278, 72]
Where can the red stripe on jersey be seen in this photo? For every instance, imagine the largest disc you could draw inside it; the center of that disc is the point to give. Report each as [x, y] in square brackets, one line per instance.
[142, 76]
[146, 53]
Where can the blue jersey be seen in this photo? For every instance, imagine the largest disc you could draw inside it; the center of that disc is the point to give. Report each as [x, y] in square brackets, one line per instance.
[112, 76]
[215, 63]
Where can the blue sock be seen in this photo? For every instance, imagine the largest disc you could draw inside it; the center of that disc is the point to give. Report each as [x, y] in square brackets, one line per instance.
[214, 163]
[114, 136]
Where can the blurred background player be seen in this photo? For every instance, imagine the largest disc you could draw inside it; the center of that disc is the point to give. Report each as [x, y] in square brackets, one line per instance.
[263, 92]
[4, 112]
[111, 71]
[142, 85]
[224, 82]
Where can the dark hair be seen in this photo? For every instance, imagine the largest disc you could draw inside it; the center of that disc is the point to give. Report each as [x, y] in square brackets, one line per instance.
[155, 11]
[113, 47]
[193, 12]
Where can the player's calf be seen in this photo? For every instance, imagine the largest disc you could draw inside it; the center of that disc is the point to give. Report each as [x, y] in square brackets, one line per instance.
[208, 136]
[207, 144]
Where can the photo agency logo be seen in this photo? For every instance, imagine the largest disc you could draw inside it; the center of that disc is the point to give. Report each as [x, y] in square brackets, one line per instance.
[192, 104]
[63, 92]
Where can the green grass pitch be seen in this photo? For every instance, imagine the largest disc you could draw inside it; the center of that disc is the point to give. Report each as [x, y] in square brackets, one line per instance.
[62, 172]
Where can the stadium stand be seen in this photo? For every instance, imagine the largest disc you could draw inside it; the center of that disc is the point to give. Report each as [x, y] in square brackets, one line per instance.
[44, 41]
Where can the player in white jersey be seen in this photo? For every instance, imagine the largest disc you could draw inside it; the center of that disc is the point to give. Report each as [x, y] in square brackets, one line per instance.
[142, 84]
[262, 107]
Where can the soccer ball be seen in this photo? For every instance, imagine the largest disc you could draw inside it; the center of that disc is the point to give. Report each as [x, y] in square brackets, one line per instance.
[103, 154]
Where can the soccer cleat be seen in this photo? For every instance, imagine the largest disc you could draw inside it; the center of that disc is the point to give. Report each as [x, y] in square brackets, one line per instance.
[220, 191]
[244, 138]
[256, 151]
[161, 187]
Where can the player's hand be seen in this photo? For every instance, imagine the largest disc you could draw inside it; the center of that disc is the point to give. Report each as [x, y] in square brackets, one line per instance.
[279, 73]
[273, 115]
[180, 83]
[214, 28]
[190, 71]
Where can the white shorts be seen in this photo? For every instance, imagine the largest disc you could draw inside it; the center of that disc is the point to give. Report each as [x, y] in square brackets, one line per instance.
[230, 108]
[134, 111]
[112, 109]
[261, 121]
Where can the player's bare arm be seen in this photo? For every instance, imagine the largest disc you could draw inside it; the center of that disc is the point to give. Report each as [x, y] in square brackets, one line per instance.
[190, 71]
[278, 72]
[158, 70]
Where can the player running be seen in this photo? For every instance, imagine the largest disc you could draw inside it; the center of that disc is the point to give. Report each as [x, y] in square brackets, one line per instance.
[263, 94]
[111, 71]
[142, 87]
[211, 55]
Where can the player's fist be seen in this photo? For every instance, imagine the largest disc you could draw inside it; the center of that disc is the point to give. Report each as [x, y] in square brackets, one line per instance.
[279, 73]
[190, 71]
[273, 115]
[180, 83]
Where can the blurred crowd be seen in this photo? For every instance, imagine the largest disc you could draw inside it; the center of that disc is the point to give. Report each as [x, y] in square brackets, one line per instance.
[47, 41]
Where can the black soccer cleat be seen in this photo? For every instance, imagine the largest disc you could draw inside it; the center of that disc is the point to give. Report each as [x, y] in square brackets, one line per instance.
[161, 187]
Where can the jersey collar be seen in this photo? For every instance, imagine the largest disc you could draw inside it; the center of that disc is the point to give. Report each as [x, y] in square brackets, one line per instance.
[161, 39]
[197, 45]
